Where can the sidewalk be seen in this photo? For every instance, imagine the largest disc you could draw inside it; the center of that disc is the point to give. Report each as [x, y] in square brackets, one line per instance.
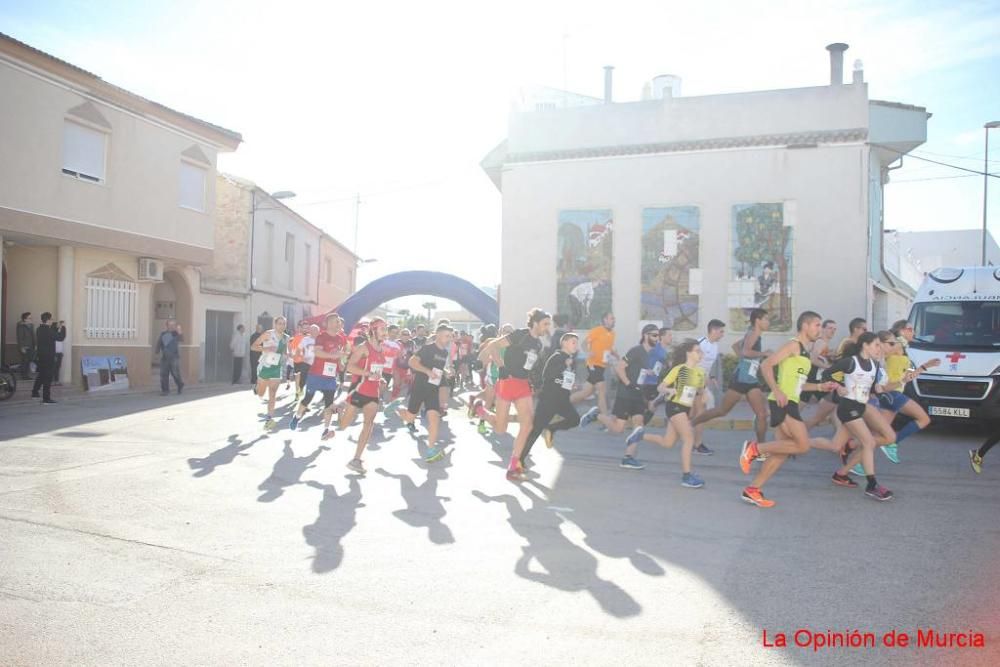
[75, 393]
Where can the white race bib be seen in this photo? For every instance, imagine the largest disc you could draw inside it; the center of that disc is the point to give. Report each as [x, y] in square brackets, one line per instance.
[687, 396]
[657, 369]
[606, 357]
[270, 359]
[568, 380]
[752, 369]
[329, 369]
[435, 377]
[529, 360]
[800, 382]
[860, 393]
[376, 370]
[389, 362]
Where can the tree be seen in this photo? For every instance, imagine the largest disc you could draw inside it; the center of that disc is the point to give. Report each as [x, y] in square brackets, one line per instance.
[429, 306]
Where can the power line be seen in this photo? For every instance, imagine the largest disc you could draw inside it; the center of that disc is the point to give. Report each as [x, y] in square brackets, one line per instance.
[974, 156]
[943, 164]
[932, 178]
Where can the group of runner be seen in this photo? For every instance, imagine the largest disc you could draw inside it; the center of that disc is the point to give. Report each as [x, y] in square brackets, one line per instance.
[534, 371]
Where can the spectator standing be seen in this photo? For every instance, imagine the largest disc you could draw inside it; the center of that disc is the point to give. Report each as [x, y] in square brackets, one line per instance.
[26, 344]
[60, 330]
[239, 348]
[168, 346]
[45, 354]
[254, 357]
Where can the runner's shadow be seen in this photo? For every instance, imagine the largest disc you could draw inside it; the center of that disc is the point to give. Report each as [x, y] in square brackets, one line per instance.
[425, 508]
[224, 456]
[287, 472]
[563, 565]
[336, 518]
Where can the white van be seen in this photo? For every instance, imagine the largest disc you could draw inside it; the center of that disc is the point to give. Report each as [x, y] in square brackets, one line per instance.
[956, 318]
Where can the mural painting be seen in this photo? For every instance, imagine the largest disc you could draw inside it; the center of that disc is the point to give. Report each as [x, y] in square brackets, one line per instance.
[671, 279]
[761, 266]
[584, 261]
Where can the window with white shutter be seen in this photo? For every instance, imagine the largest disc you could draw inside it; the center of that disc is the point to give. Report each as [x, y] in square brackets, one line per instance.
[192, 182]
[84, 152]
[112, 308]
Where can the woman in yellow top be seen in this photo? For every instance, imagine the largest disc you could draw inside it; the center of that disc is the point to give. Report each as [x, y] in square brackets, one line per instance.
[682, 385]
[899, 370]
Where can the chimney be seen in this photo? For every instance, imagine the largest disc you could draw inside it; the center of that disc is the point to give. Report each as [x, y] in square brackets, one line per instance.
[608, 69]
[859, 72]
[836, 63]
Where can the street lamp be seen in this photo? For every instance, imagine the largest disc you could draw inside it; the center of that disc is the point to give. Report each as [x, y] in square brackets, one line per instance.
[986, 176]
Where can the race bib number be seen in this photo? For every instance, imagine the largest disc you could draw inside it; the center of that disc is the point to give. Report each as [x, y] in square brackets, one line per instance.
[435, 377]
[270, 358]
[687, 396]
[752, 368]
[329, 369]
[606, 357]
[644, 375]
[529, 360]
[389, 362]
[657, 369]
[568, 380]
[800, 383]
[859, 394]
[376, 370]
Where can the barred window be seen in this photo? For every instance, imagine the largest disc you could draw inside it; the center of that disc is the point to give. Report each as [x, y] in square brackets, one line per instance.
[111, 308]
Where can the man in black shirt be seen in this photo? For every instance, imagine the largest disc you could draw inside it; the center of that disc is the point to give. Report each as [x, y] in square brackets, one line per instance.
[558, 378]
[428, 365]
[45, 358]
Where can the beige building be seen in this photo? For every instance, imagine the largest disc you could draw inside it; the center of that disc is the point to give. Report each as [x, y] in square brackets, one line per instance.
[106, 211]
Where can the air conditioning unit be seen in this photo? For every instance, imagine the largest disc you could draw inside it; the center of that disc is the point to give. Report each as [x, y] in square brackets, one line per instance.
[150, 270]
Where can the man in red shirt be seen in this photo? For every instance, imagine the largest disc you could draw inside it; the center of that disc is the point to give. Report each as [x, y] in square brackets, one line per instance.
[323, 356]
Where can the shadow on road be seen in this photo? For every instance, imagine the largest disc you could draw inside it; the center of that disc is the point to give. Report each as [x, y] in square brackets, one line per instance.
[564, 565]
[335, 520]
[425, 508]
[287, 472]
[223, 456]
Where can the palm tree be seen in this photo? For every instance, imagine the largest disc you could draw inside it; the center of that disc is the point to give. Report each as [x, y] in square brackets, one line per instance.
[429, 306]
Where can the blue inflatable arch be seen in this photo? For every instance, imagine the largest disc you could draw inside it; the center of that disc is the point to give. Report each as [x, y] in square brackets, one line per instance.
[408, 283]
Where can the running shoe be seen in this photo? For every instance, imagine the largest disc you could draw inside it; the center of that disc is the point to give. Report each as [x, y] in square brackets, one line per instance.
[879, 492]
[479, 409]
[858, 470]
[482, 428]
[692, 481]
[433, 454]
[635, 436]
[844, 480]
[270, 425]
[589, 417]
[891, 452]
[327, 434]
[703, 450]
[356, 466]
[294, 424]
[631, 463]
[976, 461]
[515, 472]
[547, 437]
[755, 497]
[747, 455]
[412, 428]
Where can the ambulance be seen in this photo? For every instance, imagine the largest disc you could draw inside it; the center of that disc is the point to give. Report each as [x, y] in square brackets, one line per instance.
[956, 318]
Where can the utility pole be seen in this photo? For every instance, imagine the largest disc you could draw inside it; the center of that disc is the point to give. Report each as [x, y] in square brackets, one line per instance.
[357, 216]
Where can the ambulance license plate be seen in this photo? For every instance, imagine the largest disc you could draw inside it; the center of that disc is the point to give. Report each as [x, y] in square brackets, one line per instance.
[939, 411]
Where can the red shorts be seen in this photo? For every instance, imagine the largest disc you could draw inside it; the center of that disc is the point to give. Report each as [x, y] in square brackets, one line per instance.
[513, 389]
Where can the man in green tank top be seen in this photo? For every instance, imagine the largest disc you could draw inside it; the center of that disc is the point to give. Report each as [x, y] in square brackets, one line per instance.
[792, 361]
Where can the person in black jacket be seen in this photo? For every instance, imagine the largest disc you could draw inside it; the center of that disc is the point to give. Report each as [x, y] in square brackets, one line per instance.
[26, 344]
[60, 330]
[45, 351]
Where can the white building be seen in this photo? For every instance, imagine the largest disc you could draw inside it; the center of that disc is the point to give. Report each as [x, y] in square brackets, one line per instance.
[957, 247]
[684, 209]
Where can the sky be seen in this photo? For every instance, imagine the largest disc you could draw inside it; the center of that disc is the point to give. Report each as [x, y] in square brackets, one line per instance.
[399, 101]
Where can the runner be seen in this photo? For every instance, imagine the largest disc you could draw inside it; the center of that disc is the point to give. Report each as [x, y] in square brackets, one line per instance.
[601, 347]
[428, 365]
[630, 402]
[682, 385]
[296, 349]
[792, 361]
[745, 382]
[366, 364]
[656, 367]
[402, 375]
[391, 349]
[420, 336]
[821, 356]
[490, 375]
[976, 456]
[558, 378]
[465, 358]
[324, 353]
[828, 405]
[709, 354]
[519, 350]
[273, 346]
[861, 372]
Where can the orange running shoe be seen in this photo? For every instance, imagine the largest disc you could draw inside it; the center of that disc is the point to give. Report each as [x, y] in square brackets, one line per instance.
[747, 455]
[755, 497]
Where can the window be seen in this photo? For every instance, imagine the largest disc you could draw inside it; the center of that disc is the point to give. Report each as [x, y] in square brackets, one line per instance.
[193, 180]
[328, 269]
[269, 254]
[83, 152]
[290, 258]
[309, 254]
[111, 308]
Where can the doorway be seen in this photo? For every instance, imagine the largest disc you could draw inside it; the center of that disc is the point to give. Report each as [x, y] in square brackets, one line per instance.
[219, 327]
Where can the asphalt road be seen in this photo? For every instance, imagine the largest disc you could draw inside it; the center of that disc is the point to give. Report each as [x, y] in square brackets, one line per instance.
[141, 530]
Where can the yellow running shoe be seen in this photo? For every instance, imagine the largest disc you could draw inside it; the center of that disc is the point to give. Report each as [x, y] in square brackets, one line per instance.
[975, 460]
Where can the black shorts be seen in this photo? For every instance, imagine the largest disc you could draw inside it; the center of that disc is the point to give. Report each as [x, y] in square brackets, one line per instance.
[626, 407]
[649, 392]
[360, 401]
[848, 410]
[670, 409]
[302, 368]
[810, 396]
[743, 387]
[595, 374]
[426, 396]
[778, 413]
